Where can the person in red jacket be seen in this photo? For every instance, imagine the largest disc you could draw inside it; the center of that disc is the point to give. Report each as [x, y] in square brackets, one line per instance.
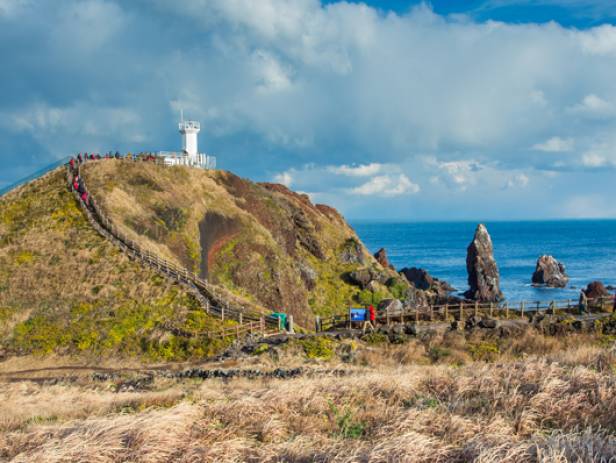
[371, 318]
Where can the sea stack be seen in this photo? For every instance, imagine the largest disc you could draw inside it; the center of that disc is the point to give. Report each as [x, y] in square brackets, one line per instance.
[550, 272]
[483, 277]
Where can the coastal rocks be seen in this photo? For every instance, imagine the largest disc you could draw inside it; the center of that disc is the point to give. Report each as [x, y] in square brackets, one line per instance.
[365, 276]
[422, 280]
[483, 276]
[381, 258]
[308, 275]
[595, 290]
[391, 305]
[550, 272]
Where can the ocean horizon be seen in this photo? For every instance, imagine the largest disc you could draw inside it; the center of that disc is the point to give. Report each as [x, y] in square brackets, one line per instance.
[587, 248]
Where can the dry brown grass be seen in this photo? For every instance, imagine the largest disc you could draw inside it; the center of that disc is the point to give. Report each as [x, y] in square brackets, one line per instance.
[541, 409]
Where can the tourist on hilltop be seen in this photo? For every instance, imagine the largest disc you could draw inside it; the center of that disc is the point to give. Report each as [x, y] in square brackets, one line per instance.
[79, 158]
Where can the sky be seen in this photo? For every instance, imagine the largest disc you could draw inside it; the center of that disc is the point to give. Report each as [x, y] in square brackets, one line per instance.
[387, 110]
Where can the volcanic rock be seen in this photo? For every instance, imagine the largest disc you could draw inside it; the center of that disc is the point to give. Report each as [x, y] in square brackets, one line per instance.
[595, 289]
[483, 277]
[365, 276]
[381, 258]
[437, 290]
[550, 272]
[393, 305]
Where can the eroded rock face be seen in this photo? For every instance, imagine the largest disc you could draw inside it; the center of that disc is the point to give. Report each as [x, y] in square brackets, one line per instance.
[550, 272]
[393, 305]
[595, 289]
[437, 291]
[483, 276]
[381, 258]
[365, 276]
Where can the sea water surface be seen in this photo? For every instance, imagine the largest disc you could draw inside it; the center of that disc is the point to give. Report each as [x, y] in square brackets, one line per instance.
[587, 248]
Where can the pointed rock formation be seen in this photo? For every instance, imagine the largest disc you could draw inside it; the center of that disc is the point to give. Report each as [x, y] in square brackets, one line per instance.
[550, 272]
[483, 277]
[381, 258]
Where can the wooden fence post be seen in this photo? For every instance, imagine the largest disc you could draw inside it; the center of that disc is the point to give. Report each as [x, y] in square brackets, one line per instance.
[506, 310]
[491, 309]
[241, 320]
[387, 314]
[290, 323]
[431, 312]
[262, 323]
[416, 314]
[222, 313]
[522, 309]
[446, 311]
[317, 324]
[476, 308]
[461, 311]
[537, 311]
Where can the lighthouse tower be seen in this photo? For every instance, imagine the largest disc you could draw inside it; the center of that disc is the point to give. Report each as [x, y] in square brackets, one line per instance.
[189, 131]
[190, 155]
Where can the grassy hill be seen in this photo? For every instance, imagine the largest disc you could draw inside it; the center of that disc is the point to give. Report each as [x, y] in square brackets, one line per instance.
[261, 241]
[64, 289]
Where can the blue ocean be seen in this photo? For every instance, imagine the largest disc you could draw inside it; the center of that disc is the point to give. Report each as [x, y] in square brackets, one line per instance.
[587, 248]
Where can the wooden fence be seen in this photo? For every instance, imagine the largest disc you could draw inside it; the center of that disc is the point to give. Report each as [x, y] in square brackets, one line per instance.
[463, 310]
[249, 321]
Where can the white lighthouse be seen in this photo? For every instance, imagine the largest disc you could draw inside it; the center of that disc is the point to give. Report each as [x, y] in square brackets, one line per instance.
[190, 155]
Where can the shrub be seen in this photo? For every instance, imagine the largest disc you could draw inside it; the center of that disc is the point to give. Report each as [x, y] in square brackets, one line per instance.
[317, 347]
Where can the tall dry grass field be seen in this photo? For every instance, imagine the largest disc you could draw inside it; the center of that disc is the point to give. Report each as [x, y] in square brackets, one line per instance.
[555, 408]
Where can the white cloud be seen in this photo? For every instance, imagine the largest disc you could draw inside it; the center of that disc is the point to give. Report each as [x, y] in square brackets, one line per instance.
[386, 185]
[459, 174]
[555, 145]
[284, 178]
[362, 170]
[517, 181]
[593, 106]
[600, 40]
[591, 159]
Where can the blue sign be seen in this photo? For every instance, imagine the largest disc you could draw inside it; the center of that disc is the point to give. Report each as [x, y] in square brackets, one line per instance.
[359, 315]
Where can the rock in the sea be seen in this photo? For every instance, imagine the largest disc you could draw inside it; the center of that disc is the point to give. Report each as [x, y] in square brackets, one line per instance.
[483, 277]
[595, 289]
[381, 258]
[550, 272]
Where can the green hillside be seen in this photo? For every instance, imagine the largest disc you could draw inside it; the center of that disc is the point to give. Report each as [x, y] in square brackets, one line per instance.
[64, 289]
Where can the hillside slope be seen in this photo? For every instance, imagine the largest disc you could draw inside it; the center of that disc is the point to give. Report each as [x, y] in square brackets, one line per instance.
[64, 289]
[261, 241]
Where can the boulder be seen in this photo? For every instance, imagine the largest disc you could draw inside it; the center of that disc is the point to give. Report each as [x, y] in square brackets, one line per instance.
[365, 277]
[436, 291]
[483, 276]
[352, 252]
[381, 258]
[550, 272]
[393, 305]
[419, 277]
[595, 289]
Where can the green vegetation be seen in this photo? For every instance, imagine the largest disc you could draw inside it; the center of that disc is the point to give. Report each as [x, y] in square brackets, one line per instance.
[318, 347]
[64, 289]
